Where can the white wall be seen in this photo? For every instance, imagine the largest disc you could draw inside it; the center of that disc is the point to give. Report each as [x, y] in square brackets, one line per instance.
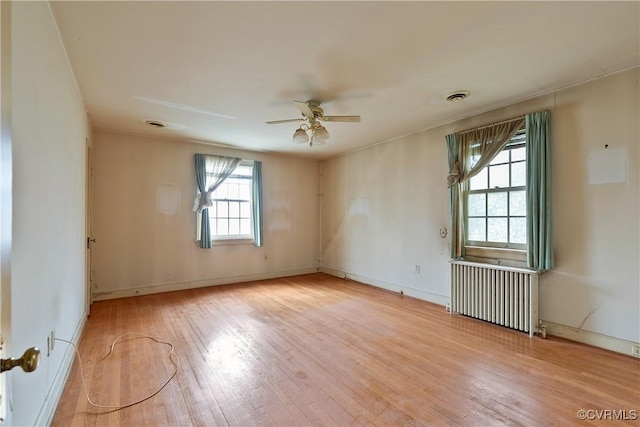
[48, 272]
[595, 286]
[140, 249]
[596, 226]
[382, 211]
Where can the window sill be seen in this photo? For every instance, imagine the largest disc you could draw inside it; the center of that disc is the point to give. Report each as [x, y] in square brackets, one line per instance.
[226, 242]
[499, 256]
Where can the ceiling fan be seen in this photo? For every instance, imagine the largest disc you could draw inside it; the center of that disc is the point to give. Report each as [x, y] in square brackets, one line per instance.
[313, 132]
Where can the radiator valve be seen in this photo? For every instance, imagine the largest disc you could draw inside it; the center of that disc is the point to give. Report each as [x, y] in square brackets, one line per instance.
[542, 330]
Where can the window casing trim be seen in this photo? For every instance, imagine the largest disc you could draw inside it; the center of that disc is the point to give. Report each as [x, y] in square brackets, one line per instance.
[231, 239]
[485, 248]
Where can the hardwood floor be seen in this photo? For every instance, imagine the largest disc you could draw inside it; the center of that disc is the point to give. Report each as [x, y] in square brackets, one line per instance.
[318, 350]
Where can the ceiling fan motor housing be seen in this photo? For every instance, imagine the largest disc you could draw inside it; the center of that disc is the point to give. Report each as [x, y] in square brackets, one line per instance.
[314, 106]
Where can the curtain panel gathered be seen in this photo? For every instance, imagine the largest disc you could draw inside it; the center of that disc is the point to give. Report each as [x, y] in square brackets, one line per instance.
[455, 200]
[470, 152]
[539, 221]
[221, 167]
[257, 202]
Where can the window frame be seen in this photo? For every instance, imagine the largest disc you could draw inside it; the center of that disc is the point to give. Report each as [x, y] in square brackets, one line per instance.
[489, 249]
[231, 239]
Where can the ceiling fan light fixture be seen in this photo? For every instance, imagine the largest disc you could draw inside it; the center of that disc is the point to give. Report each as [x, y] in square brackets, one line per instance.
[300, 136]
[320, 133]
[312, 132]
[315, 141]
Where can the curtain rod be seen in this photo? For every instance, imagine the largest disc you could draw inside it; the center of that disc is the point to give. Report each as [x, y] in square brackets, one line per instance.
[513, 119]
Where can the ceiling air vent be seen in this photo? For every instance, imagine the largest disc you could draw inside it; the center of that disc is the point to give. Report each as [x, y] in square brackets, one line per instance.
[457, 96]
[156, 123]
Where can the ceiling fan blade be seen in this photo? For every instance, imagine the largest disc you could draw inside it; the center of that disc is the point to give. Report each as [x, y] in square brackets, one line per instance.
[351, 119]
[304, 108]
[275, 122]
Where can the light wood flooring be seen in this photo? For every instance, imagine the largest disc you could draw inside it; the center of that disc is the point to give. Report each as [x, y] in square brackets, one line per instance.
[318, 350]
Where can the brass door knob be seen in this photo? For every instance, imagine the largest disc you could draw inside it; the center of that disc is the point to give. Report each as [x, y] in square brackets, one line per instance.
[28, 362]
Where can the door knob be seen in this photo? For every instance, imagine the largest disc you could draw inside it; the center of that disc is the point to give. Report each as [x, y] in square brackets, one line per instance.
[28, 362]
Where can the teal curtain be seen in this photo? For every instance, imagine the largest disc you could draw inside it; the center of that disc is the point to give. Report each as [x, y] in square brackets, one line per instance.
[539, 220]
[201, 181]
[257, 202]
[455, 202]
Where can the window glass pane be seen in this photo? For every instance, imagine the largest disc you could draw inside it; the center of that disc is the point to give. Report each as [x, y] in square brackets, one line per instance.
[477, 230]
[223, 209]
[245, 226]
[220, 192]
[517, 203]
[498, 176]
[479, 182]
[244, 170]
[517, 230]
[518, 154]
[245, 191]
[497, 204]
[233, 191]
[223, 227]
[234, 226]
[477, 206]
[502, 157]
[245, 210]
[497, 230]
[518, 174]
[234, 209]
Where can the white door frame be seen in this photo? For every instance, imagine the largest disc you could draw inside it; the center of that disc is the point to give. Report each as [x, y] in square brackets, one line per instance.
[89, 216]
[6, 174]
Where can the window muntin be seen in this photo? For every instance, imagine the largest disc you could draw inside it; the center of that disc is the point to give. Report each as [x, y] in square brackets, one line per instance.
[495, 200]
[230, 217]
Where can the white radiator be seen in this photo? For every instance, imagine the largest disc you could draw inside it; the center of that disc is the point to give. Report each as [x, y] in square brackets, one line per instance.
[506, 296]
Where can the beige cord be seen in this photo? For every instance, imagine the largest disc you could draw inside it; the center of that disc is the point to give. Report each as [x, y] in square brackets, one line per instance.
[172, 356]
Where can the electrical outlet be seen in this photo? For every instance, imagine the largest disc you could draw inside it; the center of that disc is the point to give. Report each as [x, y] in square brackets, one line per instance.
[417, 269]
[635, 350]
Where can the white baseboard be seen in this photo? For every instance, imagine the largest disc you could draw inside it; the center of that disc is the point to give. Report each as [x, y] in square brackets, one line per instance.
[595, 339]
[180, 286]
[442, 300]
[48, 409]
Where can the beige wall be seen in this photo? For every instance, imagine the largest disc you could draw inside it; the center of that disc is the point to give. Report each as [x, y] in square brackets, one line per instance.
[48, 263]
[595, 284]
[140, 248]
[382, 211]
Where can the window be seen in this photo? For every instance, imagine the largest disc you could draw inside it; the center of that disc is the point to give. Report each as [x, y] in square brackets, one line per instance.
[495, 200]
[491, 220]
[230, 216]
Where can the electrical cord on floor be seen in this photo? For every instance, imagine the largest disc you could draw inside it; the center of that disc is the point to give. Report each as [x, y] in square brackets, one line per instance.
[172, 356]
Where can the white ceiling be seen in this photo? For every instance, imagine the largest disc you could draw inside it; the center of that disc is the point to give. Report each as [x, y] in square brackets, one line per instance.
[216, 71]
